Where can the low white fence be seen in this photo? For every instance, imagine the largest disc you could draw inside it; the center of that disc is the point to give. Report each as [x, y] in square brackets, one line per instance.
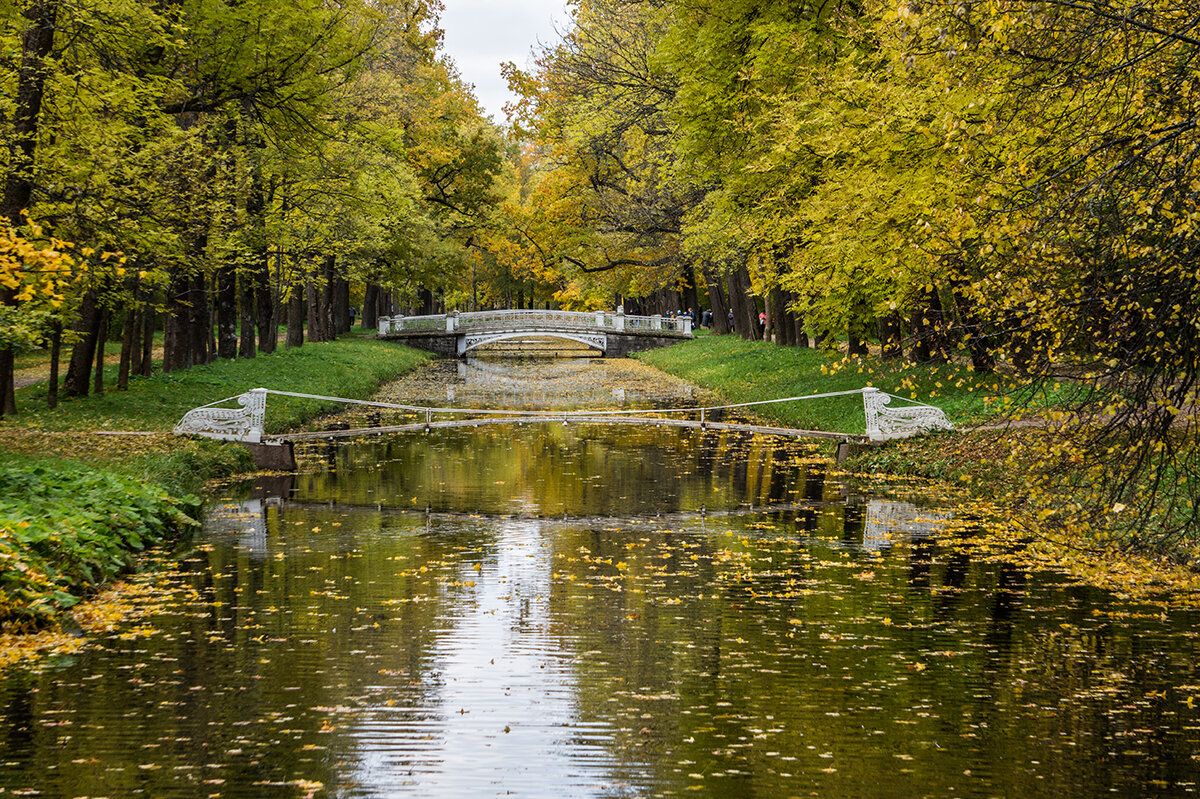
[883, 421]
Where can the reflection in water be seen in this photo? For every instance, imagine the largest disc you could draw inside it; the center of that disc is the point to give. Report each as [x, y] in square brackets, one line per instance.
[551, 469]
[567, 383]
[603, 612]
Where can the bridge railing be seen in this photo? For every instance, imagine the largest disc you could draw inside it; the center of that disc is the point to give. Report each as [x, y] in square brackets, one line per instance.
[884, 421]
[456, 322]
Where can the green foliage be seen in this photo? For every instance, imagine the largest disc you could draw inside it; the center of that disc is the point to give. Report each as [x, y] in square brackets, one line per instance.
[66, 528]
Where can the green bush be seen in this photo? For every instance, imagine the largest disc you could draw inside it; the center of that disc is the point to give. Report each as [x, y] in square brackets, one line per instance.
[65, 528]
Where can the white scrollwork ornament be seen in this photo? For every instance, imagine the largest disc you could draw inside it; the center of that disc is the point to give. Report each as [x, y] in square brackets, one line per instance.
[228, 424]
[885, 423]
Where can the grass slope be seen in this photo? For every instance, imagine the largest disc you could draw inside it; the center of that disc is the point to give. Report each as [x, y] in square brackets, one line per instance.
[348, 367]
[747, 371]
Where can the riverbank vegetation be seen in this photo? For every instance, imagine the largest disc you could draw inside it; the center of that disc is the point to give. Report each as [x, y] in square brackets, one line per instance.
[995, 453]
[80, 495]
[68, 528]
[748, 371]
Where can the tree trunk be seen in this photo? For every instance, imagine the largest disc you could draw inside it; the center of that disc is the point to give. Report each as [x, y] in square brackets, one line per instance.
[200, 322]
[267, 306]
[36, 44]
[890, 336]
[177, 345]
[801, 332]
[745, 311]
[736, 301]
[370, 312]
[148, 318]
[789, 324]
[135, 352]
[128, 341]
[246, 348]
[328, 292]
[929, 330]
[312, 297]
[768, 326]
[982, 359]
[101, 340]
[8, 391]
[717, 299]
[425, 301]
[83, 353]
[688, 294]
[295, 320]
[927, 326]
[226, 303]
[341, 305]
[778, 316]
[55, 352]
[855, 344]
[749, 304]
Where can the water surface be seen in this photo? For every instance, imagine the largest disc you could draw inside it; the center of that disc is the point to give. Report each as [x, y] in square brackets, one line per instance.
[555, 610]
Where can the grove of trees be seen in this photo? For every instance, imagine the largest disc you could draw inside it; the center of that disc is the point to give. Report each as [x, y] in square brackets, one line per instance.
[217, 170]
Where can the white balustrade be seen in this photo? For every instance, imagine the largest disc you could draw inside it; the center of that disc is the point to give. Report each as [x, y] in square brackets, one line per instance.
[540, 320]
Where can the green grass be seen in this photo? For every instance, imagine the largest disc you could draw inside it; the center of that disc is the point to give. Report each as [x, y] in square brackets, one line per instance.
[350, 367]
[747, 371]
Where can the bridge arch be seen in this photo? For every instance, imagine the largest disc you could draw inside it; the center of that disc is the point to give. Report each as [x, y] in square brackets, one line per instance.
[470, 341]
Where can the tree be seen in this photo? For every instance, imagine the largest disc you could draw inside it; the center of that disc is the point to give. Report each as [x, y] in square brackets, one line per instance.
[36, 40]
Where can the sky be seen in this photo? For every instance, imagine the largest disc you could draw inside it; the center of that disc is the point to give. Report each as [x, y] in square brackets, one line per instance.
[480, 34]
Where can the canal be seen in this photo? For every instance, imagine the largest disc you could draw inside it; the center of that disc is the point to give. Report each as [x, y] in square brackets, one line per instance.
[555, 610]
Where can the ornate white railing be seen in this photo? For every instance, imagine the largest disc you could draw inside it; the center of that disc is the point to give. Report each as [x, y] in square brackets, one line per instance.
[883, 422]
[478, 321]
[244, 423]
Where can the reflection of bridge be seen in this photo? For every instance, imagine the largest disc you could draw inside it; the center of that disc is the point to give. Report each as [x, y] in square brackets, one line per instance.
[614, 334]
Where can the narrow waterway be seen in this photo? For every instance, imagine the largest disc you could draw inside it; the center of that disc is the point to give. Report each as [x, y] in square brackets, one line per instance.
[554, 610]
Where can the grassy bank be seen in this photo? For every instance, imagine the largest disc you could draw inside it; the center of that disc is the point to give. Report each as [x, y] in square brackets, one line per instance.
[747, 371]
[75, 501]
[349, 367]
[1034, 475]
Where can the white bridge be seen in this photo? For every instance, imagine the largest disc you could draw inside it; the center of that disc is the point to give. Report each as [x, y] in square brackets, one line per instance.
[456, 334]
[246, 423]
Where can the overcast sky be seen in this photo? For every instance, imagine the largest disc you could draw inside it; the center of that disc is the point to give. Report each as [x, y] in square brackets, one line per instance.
[480, 34]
